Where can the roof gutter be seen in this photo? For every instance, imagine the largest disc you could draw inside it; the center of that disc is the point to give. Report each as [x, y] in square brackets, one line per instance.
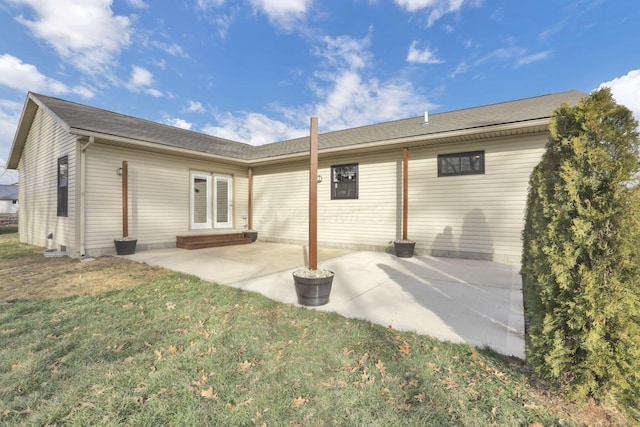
[424, 138]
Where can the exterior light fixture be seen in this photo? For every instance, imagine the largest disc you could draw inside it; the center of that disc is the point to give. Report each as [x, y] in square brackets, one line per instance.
[319, 178]
[119, 171]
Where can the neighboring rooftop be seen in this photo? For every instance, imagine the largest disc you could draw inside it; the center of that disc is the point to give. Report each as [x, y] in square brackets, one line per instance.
[83, 119]
[8, 192]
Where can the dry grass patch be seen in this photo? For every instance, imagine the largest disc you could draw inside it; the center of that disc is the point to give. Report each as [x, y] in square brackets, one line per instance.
[27, 274]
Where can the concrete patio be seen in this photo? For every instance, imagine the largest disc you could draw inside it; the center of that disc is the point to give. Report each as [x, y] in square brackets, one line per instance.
[478, 302]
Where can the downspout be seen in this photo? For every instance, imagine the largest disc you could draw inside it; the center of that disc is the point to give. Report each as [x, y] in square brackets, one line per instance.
[250, 201]
[83, 186]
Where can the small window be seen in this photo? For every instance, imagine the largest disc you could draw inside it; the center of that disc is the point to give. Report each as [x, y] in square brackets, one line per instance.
[63, 185]
[344, 181]
[470, 163]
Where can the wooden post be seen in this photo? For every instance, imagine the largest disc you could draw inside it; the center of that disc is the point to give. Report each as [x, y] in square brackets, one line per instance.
[313, 195]
[249, 203]
[405, 191]
[125, 199]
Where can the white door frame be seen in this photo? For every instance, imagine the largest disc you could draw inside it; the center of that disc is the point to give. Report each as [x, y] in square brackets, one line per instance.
[193, 192]
[220, 219]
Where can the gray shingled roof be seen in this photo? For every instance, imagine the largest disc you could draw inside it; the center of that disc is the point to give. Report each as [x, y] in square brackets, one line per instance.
[8, 192]
[82, 117]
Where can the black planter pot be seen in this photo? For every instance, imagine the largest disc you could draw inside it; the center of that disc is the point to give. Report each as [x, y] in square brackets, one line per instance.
[313, 291]
[125, 247]
[251, 234]
[404, 249]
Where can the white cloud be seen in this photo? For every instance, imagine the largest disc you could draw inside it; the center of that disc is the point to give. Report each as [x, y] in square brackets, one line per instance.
[7, 176]
[171, 48]
[9, 117]
[138, 4]
[141, 80]
[535, 57]
[208, 4]
[194, 107]
[179, 123]
[424, 56]
[25, 77]
[252, 128]
[347, 97]
[283, 13]
[626, 91]
[84, 33]
[437, 8]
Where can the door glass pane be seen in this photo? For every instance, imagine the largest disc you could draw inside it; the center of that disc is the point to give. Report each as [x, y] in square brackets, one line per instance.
[222, 201]
[199, 200]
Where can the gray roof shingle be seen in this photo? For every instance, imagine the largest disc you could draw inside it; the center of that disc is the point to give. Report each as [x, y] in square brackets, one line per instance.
[8, 192]
[91, 119]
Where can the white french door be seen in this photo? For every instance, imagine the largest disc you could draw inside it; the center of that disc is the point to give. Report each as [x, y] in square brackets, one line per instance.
[200, 200]
[222, 201]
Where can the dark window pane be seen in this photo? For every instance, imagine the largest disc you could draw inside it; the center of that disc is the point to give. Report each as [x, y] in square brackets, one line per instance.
[461, 163]
[344, 181]
[63, 185]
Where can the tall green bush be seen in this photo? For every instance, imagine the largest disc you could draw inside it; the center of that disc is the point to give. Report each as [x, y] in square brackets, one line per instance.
[581, 258]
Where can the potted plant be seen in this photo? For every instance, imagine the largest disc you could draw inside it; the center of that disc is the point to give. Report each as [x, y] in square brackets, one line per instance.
[125, 245]
[404, 248]
[251, 234]
[313, 285]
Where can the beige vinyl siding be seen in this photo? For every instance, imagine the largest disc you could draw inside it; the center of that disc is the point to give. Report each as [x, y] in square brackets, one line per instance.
[281, 203]
[46, 142]
[473, 216]
[158, 196]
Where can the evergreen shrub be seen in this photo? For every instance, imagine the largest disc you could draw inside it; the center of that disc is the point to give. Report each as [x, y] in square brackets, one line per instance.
[581, 257]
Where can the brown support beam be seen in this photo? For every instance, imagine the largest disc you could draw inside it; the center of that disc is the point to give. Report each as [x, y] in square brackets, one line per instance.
[125, 199]
[250, 202]
[405, 191]
[313, 195]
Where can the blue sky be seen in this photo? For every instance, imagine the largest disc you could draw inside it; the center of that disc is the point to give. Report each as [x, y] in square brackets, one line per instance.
[256, 70]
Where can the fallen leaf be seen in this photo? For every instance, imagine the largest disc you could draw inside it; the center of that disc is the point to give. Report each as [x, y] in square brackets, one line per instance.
[420, 397]
[209, 394]
[298, 401]
[448, 383]
[170, 305]
[127, 359]
[380, 366]
[405, 348]
[208, 352]
[243, 366]
[158, 354]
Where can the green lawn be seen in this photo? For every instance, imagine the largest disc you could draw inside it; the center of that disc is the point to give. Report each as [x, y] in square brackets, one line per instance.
[183, 352]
